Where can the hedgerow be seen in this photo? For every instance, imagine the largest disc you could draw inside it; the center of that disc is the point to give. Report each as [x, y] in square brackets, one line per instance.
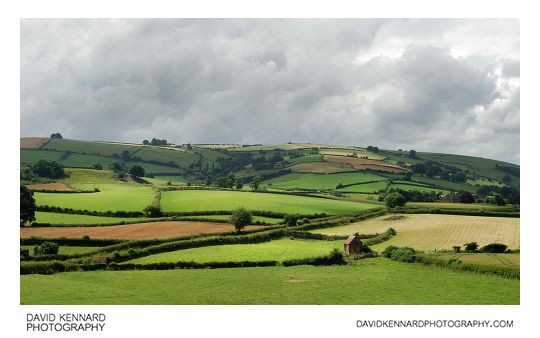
[334, 258]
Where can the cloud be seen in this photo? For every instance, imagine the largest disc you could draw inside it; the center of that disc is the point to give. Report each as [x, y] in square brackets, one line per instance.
[411, 84]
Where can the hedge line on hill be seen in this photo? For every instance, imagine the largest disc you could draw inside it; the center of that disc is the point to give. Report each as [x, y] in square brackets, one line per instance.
[335, 257]
[380, 238]
[47, 268]
[71, 241]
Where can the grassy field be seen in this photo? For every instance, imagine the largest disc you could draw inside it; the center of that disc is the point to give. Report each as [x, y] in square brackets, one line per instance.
[278, 250]
[416, 187]
[88, 147]
[199, 200]
[319, 181]
[65, 250]
[449, 205]
[72, 219]
[120, 198]
[32, 155]
[508, 260]
[346, 152]
[182, 158]
[305, 159]
[371, 281]
[441, 232]
[366, 188]
[321, 168]
[227, 217]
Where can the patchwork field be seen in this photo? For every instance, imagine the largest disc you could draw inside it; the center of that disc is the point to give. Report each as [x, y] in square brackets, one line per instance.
[358, 152]
[371, 281]
[320, 168]
[366, 188]
[73, 219]
[33, 142]
[200, 200]
[416, 187]
[32, 155]
[508, 260]
[50, 186]
[319, 181]
[121, 198]
[441, 232]
[132, 231]
[360, 163]
[278, 250]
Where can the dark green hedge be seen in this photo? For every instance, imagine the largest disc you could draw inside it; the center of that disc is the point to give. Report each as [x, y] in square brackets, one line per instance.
[450, 211]
[47, 268]
[71, 241]
[334, 258]
[380, 238]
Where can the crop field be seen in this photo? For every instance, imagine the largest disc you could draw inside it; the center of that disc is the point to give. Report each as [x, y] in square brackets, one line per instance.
[148, 230]
[200, 200]
[496, 259]
[50, 186]
[65, 250]
[29, 156]
[33, 142]
[319, 181]
[347, 152]
[360, 163]
[370, 281]
[278, 250]
[121, 198]
[442, 232]
[55, 218]
[366, 188]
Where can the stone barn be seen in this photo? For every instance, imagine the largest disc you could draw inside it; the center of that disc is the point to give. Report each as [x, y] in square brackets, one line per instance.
[352, 245]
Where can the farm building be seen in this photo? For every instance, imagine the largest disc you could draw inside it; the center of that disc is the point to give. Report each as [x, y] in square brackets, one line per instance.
[352, 245]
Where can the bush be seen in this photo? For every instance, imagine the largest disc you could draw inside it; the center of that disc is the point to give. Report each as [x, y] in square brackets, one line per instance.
[46, 248]
[132, 252]
[395, 199]
[291, 219]
[86, 238]
[388, 250]
[25, 253]
[152, 211]
[494, 248]
[456, 248]
[403, 254]
[453, 261]
[471, 247]
[335, 257]
[240, 218]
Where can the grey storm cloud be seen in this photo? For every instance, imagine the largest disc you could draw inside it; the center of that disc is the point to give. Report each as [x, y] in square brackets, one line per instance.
[410, 84]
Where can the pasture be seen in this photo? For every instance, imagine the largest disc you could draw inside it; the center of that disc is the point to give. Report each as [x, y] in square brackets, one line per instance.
[403, 186]
[29, 156]
[496, 259]
[121, 198]
[366, 188]
[320, 167]
[319, 181]
[360, 163]
[150, 230]
[442, 232]
[370, 281]
[74, 219]
[201, 200]
[278, 250]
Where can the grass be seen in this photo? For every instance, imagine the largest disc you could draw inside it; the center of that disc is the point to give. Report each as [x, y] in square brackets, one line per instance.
[366, 188]
[200, 200]
[441, 232]
[72, 219]
[30, 156]
[65, 250]
[370, 281]
[120, 198]
[81, 160]
[449, 205]
[181, 158]
[508, 260]
[319, 181]
[346, 152]
[408, 187]
[321, 167]
[278, 250]
[305, 159]
[227, 217]
[88, 147]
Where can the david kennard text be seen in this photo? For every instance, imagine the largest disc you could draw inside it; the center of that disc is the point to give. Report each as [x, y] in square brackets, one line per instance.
[65, 322]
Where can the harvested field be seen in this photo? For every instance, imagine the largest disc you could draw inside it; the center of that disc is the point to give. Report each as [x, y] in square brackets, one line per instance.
[50, 187]
[33, 142]
[320, 168]
[360, 163]
[393, 218]
[132, 231]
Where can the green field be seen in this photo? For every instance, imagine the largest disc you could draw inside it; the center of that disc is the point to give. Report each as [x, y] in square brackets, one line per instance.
[88, 147]
[65, 250]
[278, 250]
[227, 217]
[181, 158]
[408, 187]
[450, 205]
[319, 181]
[29, 156]
[120, 198]
[73, 219]
[499, 259]
[366, 188]
[428, 232]
[200, 200]
[371, 281]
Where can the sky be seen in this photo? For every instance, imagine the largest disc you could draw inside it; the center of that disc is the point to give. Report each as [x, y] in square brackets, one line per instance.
[438, 85]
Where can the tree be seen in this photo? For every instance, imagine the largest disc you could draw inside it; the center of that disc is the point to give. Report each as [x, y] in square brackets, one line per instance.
[255, 183]
[50, 169]
[395, 199]
[515, 199]
[97, 166]
[125, 154]
[136, 171]
[471, 247]
[208, 181]
[419, 168]
[28, 206]
[499, 200]
[412, 153]
[291, 219]
[239, 182]
[507, 179]
[465, 197]
[56, 135]
[116, 167]
[240, 218]
[145, 142]
[152, 211]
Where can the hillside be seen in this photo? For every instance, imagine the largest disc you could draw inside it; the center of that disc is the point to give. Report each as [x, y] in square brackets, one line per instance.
[324, 168]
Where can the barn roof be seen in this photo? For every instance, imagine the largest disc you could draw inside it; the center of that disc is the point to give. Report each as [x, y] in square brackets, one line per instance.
[350, 239]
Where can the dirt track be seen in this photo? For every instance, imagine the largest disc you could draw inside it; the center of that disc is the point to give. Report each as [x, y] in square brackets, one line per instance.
[131, 231]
